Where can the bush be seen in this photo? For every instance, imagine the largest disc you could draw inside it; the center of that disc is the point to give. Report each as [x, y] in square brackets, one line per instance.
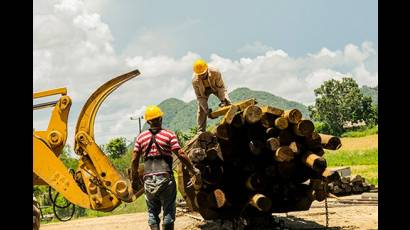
[322, 127]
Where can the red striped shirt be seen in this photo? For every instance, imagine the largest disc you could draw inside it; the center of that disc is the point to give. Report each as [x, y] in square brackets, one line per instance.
[165, 138]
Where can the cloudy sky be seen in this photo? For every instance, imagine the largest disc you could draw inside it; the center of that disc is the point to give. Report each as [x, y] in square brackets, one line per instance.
[285, 47]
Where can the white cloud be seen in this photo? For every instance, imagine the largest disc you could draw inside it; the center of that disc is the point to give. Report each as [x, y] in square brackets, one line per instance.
[73, 49]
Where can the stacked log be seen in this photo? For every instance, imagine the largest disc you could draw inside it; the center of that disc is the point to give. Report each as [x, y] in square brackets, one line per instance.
[258, 159]
[349, 185]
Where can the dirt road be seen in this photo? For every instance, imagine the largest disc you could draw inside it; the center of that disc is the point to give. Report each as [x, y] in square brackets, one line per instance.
[346, 217]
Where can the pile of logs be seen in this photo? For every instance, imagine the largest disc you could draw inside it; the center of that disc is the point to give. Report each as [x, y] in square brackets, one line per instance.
[258, 159]
[349, 185]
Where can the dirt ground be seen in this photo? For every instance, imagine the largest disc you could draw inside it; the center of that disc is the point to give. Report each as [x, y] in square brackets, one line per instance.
[341, 216]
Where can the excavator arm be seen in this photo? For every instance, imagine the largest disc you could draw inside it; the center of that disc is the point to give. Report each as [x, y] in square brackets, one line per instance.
[96, 184]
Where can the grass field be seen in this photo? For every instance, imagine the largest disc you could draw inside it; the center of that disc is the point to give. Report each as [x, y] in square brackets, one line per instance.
[360, 154]
[362, 133]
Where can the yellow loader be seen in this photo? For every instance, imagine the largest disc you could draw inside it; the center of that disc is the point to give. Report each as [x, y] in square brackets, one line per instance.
[95, 184]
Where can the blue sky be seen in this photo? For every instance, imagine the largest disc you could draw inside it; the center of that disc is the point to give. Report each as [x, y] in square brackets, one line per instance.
[291, 46]
[222, 27]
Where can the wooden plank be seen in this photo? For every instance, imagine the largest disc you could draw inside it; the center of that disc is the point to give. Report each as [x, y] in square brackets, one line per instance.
[230, 114]
[272, 110]
[241, 104]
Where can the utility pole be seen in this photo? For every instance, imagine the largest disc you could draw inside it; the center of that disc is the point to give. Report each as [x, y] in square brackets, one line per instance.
[139, 121]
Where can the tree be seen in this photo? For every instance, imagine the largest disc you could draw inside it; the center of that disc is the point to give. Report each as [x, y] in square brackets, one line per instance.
[69, 161]
[116, 147]
[341, 102]
[183, 137]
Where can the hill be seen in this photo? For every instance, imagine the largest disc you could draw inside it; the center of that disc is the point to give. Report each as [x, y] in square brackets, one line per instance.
[182, 116]
[371, 92]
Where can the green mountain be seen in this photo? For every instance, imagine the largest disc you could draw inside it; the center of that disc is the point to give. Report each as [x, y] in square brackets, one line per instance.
[371, 92]
[182, 116]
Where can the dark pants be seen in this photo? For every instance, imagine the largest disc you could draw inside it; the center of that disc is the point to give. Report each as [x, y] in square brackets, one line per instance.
[164, 197]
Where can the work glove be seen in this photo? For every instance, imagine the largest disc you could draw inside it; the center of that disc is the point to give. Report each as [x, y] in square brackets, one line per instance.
[196, 179]
[224, 103]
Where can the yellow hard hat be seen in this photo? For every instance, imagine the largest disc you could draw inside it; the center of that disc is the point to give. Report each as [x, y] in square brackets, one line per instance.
[200, 67]
[153, 112]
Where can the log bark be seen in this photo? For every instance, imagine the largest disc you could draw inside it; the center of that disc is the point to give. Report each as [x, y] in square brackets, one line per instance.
[295, 147]
[222, 131]
[304, 128]
[255, 147]
[214, 153]
[269, 114]
[255, 182]
[314, 161]
[285, 137]
[238, 120]
[313, 141]
[270, 171]
[272, 132]
[330, 176]
[286, 169]
[214, 199]
[293, 115]
[272, 110]
[196, 155]
[330, 142]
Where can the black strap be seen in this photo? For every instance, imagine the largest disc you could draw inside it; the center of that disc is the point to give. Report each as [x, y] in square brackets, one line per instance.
[153, 141]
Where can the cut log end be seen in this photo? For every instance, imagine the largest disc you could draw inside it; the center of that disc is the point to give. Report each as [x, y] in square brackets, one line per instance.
[293, 115]
[252, 114]
[273, 143]
[281, 123]
[330, 142]
[261, 202]
[284, 153]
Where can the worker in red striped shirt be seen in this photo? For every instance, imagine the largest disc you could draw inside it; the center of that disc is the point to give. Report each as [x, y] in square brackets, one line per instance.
[156, 145]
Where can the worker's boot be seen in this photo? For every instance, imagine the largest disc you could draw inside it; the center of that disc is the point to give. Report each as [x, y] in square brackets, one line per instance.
[168, 226]
[154, 227]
